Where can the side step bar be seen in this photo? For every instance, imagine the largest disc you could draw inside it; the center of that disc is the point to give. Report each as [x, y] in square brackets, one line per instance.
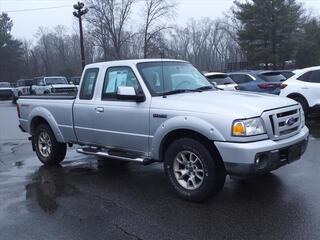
[98, 152]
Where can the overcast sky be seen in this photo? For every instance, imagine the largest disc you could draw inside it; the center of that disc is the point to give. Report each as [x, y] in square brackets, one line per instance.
[26, 22]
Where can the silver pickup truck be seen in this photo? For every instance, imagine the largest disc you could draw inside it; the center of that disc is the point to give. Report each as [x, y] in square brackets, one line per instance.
[166, 111]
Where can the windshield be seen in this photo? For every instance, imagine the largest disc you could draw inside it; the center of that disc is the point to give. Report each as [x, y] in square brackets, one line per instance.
[4, 85]
[272, 77]
[164, 77]
[58, 80]
[22, 83]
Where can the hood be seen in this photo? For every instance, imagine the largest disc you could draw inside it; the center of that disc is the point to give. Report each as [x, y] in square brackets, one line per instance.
[63, 86]
[239, 104]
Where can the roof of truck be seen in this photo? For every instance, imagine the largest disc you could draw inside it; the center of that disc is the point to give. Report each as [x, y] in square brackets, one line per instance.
[134, 61]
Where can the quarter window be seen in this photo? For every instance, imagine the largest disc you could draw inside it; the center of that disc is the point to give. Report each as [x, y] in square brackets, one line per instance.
[118, 77]
[315, 77]
[305, 77]
[241, 78]
[88, 83]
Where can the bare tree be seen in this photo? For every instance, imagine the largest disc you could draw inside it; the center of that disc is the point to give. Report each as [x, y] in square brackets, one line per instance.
[108, 20]
[155, 11]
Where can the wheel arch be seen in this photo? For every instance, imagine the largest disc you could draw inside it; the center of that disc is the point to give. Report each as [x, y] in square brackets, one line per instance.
[42, 116]
[185, 133]
[295, 94]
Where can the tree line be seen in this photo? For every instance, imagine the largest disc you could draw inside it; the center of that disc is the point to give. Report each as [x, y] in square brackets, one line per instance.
[267, 34]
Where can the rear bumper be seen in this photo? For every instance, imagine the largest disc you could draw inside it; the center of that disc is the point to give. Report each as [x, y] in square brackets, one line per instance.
[250, 159]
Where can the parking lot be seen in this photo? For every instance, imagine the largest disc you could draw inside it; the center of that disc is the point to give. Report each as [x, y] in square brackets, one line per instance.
[87, 199]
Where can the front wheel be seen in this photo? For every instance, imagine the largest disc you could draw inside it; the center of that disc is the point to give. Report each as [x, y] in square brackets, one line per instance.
[48, 149]
[194, 171]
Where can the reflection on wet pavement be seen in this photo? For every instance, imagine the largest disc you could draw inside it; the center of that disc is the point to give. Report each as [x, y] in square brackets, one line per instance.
[48, 183]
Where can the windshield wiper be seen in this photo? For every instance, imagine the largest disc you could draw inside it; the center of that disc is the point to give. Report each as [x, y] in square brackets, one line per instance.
[204, 88]
[177, 91]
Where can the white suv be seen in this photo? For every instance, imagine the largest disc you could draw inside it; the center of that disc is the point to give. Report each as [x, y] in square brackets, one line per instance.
[304, 87]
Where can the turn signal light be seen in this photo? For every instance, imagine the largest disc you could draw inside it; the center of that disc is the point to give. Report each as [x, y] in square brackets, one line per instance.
[238, 129]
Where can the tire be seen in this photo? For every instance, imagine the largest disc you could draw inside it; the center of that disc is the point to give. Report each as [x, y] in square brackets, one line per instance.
[213, 171]
[303, 103]
[14, 99]
[55, 152]
[46, 93]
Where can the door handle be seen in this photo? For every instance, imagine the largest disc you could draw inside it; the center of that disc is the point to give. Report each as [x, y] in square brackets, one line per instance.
[305, 88]
[99, 109]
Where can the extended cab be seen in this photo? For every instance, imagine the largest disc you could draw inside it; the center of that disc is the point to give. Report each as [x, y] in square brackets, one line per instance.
[166, 111]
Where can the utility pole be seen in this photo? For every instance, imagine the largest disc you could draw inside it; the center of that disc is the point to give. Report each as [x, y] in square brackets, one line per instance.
[80, 11]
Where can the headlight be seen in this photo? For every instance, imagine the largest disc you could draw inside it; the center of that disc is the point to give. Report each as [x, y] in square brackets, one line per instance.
[248, 127]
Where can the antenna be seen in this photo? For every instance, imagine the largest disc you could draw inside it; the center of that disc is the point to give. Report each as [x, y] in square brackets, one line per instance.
[162, 73]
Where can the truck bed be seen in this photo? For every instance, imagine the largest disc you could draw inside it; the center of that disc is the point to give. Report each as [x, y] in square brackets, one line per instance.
[56, 108]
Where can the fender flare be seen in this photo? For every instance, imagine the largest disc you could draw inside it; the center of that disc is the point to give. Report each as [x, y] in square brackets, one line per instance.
[48, 117]
[183, 123]
[298, 95]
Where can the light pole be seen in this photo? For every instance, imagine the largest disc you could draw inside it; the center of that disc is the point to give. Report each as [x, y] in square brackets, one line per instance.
[80, 11]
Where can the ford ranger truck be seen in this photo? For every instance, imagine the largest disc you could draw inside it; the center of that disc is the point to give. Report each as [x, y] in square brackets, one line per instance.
[166, 111]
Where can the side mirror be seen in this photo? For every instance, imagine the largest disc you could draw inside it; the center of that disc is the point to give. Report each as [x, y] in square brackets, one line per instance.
[128, 93]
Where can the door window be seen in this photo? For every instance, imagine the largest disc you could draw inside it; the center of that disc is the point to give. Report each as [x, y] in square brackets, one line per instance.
[88, 83]
[118, 77]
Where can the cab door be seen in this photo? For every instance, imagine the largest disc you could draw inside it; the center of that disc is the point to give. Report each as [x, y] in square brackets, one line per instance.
[84, 109]
[119, 123]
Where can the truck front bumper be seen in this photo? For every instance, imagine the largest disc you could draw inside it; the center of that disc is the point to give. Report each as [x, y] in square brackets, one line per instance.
[255, 158]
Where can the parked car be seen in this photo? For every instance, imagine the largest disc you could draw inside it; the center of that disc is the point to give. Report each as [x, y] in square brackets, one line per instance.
[5, 90]
[75, 81]
[222, 81]
[145, 111]
[49, 85]
[258, 81]
[23, 87]
[304, 87]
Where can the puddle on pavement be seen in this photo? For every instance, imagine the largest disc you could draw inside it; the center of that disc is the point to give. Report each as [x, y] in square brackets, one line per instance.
[44, 184]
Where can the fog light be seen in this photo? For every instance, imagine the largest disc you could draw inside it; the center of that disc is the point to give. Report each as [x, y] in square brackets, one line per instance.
[261, 161]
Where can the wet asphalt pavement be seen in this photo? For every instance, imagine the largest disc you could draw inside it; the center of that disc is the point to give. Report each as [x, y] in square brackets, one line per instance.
[86, 199]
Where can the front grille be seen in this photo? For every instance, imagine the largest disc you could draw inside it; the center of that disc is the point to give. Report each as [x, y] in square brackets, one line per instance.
[283, 122]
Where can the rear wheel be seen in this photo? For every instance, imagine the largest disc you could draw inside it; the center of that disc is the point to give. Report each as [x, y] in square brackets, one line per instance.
[48, 149]
[195, 172]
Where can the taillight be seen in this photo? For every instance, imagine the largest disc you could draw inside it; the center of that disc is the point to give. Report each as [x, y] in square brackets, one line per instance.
[282, 86]
[18, 110]
[237, 87]
[268, 85]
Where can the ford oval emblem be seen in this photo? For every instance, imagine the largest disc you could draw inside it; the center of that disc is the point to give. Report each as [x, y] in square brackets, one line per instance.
[290, 121]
